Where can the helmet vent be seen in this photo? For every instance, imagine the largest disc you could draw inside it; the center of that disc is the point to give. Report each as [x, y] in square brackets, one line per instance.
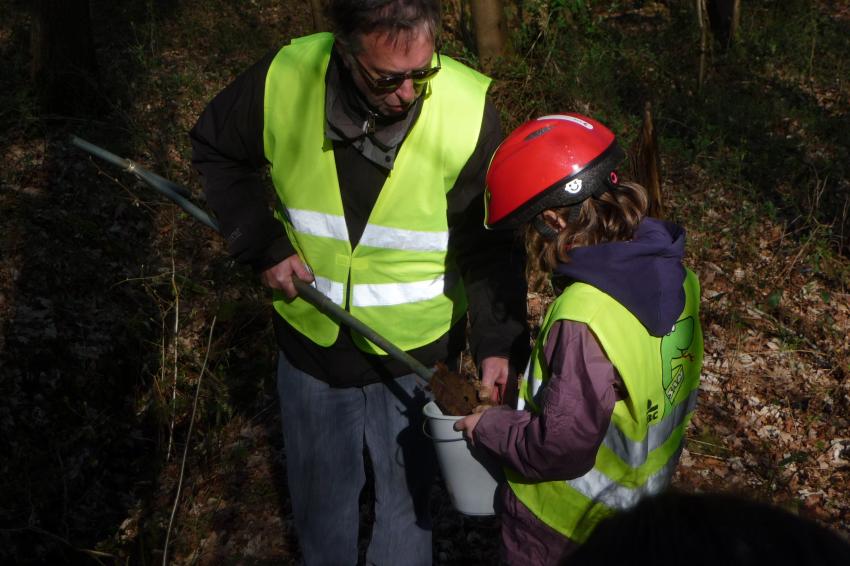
[537, 133]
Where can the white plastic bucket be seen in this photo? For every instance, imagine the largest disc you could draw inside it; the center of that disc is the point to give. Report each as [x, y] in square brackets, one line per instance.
[470, 477]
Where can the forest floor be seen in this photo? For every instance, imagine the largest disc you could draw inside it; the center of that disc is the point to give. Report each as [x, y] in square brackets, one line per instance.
[123, 321]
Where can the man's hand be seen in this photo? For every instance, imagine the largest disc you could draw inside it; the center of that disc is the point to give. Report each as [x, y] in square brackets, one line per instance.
[280, 276]
[494, 378]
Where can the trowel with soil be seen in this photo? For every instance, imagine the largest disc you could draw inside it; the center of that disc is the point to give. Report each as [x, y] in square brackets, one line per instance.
[455, 393]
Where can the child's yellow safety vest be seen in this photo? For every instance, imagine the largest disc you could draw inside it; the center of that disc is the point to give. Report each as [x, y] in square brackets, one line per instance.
[644, 440]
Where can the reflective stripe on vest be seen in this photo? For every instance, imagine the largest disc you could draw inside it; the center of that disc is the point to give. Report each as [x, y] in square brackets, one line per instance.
[641, 447]
[383, 294]
[333, 226]
[388, 294]
[334, 290]
[400, 279]
[596, 486]
[634, 452]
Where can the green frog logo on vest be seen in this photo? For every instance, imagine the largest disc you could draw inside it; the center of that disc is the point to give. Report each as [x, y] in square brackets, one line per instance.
[674, 350]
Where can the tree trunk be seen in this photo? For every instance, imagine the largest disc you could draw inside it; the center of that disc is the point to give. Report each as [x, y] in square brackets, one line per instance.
[488, 17]
[646, 162]
[736, 21]
[724, 16]
[317, 7]
[63, 67]
[702, 18]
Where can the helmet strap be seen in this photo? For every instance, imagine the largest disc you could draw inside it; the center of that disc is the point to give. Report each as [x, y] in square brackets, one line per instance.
[544, 229]
[608, 184]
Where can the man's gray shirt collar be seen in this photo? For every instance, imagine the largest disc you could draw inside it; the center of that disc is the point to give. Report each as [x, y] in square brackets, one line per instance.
[349, 119]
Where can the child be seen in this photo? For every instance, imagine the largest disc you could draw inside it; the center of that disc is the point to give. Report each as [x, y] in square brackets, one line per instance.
[612, 381]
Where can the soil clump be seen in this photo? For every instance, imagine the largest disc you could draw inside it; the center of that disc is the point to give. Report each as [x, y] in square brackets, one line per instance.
[455, 393]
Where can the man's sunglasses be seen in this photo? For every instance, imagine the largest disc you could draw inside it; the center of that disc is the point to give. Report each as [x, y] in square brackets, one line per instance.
[391, 83]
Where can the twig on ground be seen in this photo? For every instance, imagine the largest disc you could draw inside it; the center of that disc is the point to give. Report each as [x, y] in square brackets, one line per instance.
[721, 458]
[783, 352]
[186, 446]
[132, 279]
[704, 443]
[803, 249]
[176, 292]
[135, 198]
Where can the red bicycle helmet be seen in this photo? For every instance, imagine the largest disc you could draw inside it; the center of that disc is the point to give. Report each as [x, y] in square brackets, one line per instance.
[550, 162]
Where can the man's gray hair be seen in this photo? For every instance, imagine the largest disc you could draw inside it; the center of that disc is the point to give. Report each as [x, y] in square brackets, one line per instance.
[351, 19]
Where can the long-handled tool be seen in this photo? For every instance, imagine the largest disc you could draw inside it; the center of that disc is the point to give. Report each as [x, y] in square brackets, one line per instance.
[180, 196]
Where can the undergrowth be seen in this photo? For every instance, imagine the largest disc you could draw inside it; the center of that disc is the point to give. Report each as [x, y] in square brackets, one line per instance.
[102, 348]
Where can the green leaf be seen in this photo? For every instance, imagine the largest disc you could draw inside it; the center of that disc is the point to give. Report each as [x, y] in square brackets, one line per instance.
[795, 457]
[774, 299]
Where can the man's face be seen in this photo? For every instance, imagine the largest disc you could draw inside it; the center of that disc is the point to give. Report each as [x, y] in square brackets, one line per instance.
[383, 55]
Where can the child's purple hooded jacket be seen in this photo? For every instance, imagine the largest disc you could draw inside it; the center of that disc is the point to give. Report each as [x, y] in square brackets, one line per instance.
[645, 275]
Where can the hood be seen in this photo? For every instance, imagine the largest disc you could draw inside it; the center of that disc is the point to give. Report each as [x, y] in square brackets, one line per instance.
[644, 274]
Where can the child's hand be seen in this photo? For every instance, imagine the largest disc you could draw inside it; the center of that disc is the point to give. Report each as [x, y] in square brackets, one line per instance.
[467, 424]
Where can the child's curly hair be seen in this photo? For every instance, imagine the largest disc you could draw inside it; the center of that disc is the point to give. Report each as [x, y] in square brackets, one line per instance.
[611, 217]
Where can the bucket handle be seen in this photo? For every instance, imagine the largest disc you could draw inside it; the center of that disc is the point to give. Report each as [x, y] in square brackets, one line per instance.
[425, 429]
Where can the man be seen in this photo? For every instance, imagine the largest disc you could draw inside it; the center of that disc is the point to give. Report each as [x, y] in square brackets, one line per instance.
[378, 147]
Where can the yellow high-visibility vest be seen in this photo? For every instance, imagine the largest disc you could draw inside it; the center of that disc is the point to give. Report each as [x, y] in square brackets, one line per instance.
[644, 440]
[400, 279]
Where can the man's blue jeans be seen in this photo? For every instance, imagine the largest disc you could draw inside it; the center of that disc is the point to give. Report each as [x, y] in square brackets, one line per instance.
[325, 430]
